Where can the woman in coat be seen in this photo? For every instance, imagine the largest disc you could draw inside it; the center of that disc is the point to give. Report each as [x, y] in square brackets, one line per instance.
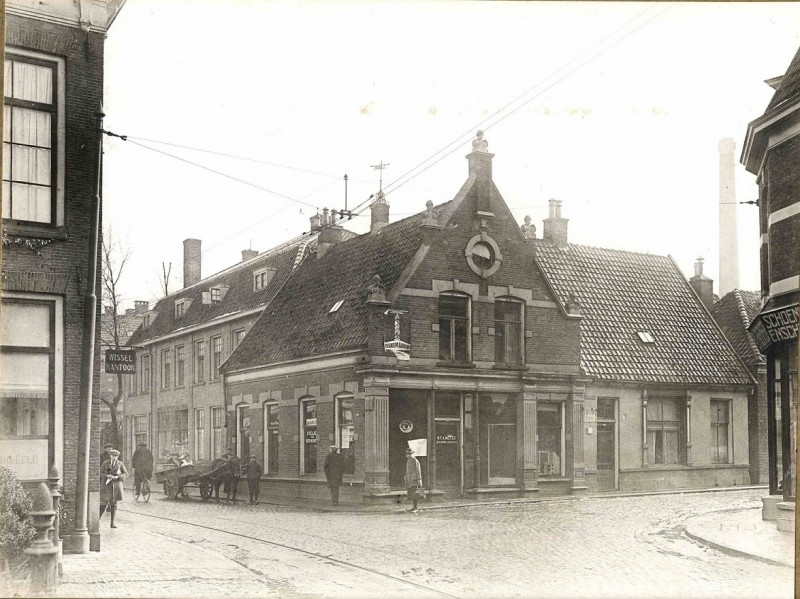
[112, 475]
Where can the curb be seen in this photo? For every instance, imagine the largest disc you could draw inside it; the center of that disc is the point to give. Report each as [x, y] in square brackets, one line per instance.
[735, 552]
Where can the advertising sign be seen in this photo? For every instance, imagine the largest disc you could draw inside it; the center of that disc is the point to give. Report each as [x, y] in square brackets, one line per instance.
[120, 361]
[419, 447]
[775, 326]
[27, 458]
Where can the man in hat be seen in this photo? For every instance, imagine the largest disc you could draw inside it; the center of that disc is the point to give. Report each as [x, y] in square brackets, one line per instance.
[142, 462]
[106, 448]
[112, 475]
[334, 470]
[413, 479]
[254, 472]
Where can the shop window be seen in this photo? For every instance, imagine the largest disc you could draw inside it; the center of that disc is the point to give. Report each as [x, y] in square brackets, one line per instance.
[27, 384]
[498, 436]
[243, 432]
[146, 374]
[216, 357]
[200, 434]
[508, 332]
[173, 432]
[550, 438]
[180, 365]
[31, 138]
[308, 445]
[271, 437]
[217, 432]
[166, 367]
[139, 427]
[345, 432]
[720, 431]
[199, 361]
[454, 327]
[665, 424]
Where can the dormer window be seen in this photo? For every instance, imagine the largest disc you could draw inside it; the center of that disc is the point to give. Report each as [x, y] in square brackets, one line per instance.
[261, 278]
[181, 306]
[216, 295]
[146, 321]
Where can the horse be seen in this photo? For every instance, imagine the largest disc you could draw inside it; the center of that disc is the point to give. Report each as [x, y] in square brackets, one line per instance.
[219, 475]
[231, 478]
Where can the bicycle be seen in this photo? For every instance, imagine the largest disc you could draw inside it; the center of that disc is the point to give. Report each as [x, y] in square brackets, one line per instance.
[144, 491]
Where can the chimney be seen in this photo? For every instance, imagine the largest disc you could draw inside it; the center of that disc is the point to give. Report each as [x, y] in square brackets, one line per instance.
[140, 306]
[728, 217]
[380, 213]
[191, 262]
[109, 310]
[555, 227]
[248, 255]
[330, 234]
[480, 165]
[703, 286]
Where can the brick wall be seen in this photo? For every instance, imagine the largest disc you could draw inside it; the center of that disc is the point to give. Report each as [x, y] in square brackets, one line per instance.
[782, 189]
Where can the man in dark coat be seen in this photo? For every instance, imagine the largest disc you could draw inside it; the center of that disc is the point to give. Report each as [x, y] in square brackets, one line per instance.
[142, 462]
[254, 472]
[334, 470]
[112, 475]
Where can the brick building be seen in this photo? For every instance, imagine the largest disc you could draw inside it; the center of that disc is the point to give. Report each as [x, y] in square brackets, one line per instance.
[771, 152]
[53, 92]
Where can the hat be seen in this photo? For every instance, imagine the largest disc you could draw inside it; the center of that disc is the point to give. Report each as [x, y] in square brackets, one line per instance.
[334, 447]
[113, 451]
[108, 446]
[252, 457]
[409, 450]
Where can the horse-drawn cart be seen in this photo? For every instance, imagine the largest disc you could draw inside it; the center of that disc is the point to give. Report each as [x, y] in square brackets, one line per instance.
[176, 478]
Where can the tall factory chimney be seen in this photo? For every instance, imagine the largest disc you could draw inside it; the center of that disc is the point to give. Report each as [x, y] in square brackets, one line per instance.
[728, 220]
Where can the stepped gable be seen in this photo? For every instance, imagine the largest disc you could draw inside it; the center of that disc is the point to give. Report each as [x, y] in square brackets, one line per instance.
[733, 314]
[299, 322]
[623, 293]
[789, 86]
[239, 297]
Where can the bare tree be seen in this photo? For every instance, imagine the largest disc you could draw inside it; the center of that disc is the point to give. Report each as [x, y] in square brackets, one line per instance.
[112, 332]
[165, 272]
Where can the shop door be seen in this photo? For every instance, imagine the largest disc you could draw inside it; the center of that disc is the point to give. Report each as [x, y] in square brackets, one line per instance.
[408, 421]
[502, 454]
[448, 453]
[606, 444]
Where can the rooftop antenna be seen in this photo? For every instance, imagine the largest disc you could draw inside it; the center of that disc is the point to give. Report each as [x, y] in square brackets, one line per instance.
[380, 167]
[345, 213]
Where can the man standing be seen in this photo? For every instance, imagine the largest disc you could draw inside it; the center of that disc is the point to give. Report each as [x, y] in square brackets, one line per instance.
[254, 472]
[334, 470]
[112, 475]
[142, 462]
[413, 479]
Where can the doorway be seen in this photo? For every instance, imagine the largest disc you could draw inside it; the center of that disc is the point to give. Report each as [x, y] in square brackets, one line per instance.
[408, 421]
[606, 444]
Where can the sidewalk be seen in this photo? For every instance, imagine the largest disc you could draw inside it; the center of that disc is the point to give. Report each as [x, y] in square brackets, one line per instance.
[744, 533]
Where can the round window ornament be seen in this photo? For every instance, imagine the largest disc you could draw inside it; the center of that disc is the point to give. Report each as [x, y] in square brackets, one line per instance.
[406, 426]
[483, 255]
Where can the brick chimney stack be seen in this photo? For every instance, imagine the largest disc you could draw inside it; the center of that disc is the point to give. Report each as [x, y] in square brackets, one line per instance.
[191, 262]
[480, 165]
[248, 255]
[703, 286]
[555, 227]
[330, 234]
[380, 213]
[728, 219]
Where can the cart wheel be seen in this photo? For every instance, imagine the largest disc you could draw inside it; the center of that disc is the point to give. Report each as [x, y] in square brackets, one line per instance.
[205, 488]
[172, 487]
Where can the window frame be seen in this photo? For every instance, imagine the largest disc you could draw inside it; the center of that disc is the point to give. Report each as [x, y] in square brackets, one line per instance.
[262, 278]
[216, 412]
[562, 441]
[267, 433]
[180, 360]
[349, 458]
[216, 295]
[504, 325]
[216, 357]
[200, 443]
[147, 374]
[451, 358]
[303, 432]
[242, 412]
[136, 419]
[56, 226]
[234, 333]
[660, 426]
[715, 426]
[166, 368]
[199, 362]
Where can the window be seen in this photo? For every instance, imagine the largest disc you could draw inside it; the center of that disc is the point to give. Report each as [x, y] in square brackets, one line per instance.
[134, 384]
[345, 432]
[720, 428]
[453, 328]
[199, 361]
[166, 368]
[646, 337]
[550, 438]
[217, 432]
[665, 430]
[335, 307]
[180, 309]
[508, 337]
[216, 357]
[30, 125]
[200, 434]
[180, 366]
[243, 432]
[261, 278]
[139, 430]
[146, 321]
[173, 432]
[238, 335]
[216, 295]
[27, 385]
[271, 437]
[146, 373]
[308, 445]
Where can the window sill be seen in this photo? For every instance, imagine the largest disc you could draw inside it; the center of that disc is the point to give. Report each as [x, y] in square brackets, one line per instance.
[198, 383]
[516, 367]
[43, 231]
[449, 364]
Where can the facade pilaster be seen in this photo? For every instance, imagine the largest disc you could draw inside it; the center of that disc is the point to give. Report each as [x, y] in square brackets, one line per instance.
[376, 432]
[530, 465]
[579, 467]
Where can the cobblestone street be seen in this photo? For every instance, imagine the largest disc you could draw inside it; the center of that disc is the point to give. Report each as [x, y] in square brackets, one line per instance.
[594, 547]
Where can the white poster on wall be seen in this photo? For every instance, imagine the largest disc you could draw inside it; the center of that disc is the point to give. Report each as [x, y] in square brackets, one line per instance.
[27, 458]
[419, 447]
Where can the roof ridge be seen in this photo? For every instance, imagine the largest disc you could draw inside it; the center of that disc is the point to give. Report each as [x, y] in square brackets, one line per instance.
[612, 250]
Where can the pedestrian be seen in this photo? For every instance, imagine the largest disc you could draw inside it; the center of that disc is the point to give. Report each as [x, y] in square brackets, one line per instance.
[142, 463]
[334, 470]
[106, 448]
[112, 475]
[413, 479]
[254, 472]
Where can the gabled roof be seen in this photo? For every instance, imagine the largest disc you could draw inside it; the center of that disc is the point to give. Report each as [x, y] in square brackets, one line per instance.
[126, 325]
[789, 86]
[240, 296]
[734, 313]
[622, 294]
[299, 321]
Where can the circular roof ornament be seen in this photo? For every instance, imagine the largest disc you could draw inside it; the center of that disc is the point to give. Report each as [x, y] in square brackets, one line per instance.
[483, 255]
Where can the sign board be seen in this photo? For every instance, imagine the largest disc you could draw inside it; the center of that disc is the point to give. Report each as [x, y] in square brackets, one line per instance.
[120, 361]
[419, 447]
[27, 458]
[775, 326]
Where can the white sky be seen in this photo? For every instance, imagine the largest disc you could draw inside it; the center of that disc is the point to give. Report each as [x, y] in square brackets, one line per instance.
[628, 142]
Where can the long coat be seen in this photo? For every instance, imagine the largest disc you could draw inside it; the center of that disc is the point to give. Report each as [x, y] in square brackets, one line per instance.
[111, 489]
[334, 468]
[413, 473]
[142, 460]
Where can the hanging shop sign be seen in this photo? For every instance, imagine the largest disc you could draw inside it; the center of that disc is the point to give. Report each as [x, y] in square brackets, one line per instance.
[775, 326]
[406, 426]
[120, 361]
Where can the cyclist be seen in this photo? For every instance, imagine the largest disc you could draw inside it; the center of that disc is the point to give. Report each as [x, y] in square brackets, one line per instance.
[142, 462]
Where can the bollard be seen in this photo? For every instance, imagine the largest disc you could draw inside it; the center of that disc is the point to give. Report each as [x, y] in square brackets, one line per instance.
[53, 477]
[43, 554]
